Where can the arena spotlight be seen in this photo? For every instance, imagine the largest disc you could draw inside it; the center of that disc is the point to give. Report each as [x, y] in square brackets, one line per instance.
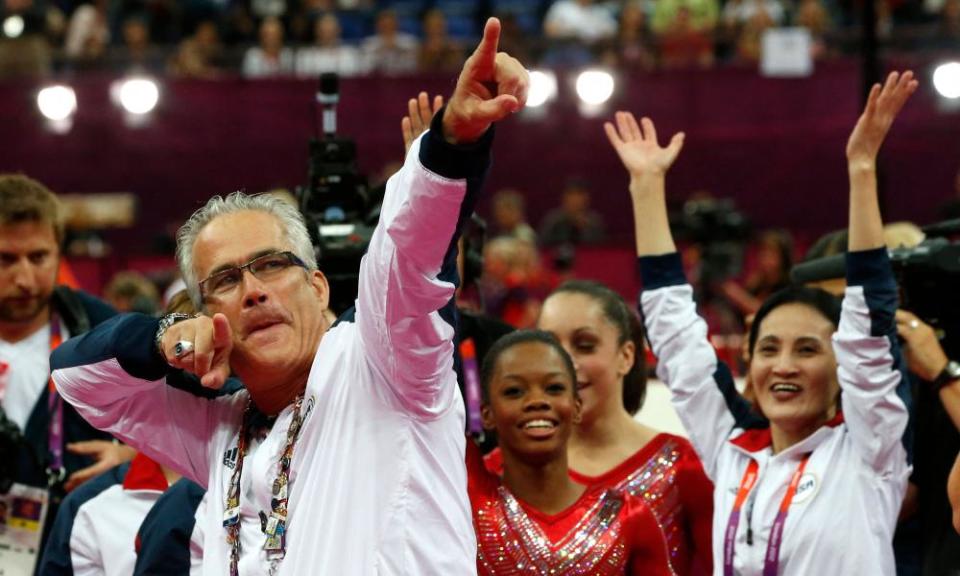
[138, 95]
[13, 26]
[946, 80]
[57, 103]
[595, 87]
[543, 87]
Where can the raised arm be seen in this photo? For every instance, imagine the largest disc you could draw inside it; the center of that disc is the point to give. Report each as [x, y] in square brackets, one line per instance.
[405, 310]
[883, 105]
[702, 388]
[876, 393]
[647, 163]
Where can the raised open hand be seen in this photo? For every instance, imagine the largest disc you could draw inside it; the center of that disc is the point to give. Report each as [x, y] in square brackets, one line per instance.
[638, 149]
[491, 86]
[883, 105]
[419, 115]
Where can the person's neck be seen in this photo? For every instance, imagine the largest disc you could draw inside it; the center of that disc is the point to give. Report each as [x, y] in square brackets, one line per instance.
[604, 430]
[13, 332]
[787, 434]
[546, 486]
[279, 390]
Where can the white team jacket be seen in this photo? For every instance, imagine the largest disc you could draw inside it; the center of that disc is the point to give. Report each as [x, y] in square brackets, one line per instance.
[845, 510]
[103, 539]
[378, 480]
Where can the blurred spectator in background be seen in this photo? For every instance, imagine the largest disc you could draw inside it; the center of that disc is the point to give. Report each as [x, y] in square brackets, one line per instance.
[132, 292]
[770, 272]
[582, 20]
[631, 48]
[947, 36]
[23, 48]
[268, 8]
[328, 53]
[88, 34]
[270, 57]
[737, 13]
[201, 55]
[438, 52]
[884, 12]
[509, 217]
[302, 23]
[573, 222]
[514, 283]
[751, 34]
[575, 26]
[513, 39]
[697, 15]
[813, 15]
[139, 56]
[390, 51]
[682, 42]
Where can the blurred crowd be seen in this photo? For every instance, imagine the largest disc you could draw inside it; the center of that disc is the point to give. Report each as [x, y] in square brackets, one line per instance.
[258, 38]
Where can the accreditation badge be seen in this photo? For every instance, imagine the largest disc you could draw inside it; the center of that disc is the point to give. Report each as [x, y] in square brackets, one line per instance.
[22, 514]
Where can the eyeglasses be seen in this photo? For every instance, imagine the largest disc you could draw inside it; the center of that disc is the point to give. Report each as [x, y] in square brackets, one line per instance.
[267, 267]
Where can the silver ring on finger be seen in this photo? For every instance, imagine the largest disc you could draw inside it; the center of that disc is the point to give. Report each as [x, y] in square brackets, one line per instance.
[913, 324]
[182, 348]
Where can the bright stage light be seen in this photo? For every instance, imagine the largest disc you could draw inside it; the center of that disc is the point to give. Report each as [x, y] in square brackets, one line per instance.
[139, 95]
[57, 103]
[543, 87]
[946, 80]
[595, 87]
[13, 26]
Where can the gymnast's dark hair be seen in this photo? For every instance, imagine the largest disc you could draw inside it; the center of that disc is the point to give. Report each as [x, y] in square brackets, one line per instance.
[630, 329]
[822, 301]
[512, 339]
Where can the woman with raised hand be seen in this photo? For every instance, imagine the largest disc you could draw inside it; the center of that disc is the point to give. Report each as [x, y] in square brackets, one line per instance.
[815, 484]
[536, 519]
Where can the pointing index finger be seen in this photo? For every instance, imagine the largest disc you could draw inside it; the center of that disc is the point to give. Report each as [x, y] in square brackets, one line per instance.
[486, 52]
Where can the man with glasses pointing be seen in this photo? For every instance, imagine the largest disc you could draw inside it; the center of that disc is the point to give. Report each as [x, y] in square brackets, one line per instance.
[345, 453]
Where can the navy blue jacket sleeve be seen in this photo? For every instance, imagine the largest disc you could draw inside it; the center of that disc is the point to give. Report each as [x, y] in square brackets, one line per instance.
[163, 541]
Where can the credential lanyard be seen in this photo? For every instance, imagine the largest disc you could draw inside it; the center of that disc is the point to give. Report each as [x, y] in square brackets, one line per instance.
[55, 471]
[771, 561]
[471, 387]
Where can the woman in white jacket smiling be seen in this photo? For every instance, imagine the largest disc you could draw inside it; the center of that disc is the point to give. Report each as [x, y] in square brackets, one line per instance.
[809, 486]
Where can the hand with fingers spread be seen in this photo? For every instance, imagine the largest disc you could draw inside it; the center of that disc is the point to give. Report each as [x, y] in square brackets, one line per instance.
[638, 148]
[883, 105]
[208, 355]
[491, 86]
[647, 163]
[419, 115]
[107, 455]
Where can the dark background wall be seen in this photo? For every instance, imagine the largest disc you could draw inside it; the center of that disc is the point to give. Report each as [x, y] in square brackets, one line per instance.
[775, 146]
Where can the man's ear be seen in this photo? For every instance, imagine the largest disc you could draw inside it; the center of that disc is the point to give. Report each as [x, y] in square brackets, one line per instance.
[321, 286]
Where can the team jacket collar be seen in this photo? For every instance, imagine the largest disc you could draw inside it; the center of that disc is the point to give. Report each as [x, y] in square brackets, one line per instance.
[757, 440]
[144, 474]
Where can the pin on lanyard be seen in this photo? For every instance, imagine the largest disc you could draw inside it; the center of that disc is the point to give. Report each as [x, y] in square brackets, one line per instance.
[471, 385]
[55, 471]
[771, 561]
